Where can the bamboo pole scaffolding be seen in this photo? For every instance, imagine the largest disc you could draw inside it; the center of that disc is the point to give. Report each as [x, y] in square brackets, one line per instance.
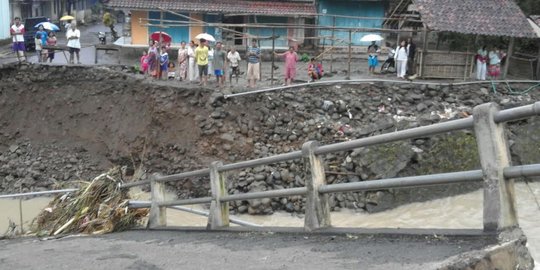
[305, 26]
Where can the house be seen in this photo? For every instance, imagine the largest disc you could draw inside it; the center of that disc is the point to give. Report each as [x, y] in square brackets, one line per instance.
[362, 17]
[52, 9]
[5, 21]
[238, 20]
[465, 17]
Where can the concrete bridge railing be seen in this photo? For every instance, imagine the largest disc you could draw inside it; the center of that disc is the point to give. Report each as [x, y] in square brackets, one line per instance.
[488, 123]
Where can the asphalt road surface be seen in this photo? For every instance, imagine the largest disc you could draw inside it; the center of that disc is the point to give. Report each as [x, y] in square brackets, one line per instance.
[232, 250]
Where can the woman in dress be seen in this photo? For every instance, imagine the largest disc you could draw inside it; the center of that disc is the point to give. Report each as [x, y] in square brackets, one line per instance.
[153, 64]
[182, 61]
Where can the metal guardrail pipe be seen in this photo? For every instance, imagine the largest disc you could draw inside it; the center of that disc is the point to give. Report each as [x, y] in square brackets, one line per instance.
[518, 113]
[398, 135]
[134, 184]
[265, 194]
[206, 214]
[522, 171]
[411, 181]
[186, 201]
[180, 176]
[37, 193]
[146, 204]
[139, 204]
[261, 161]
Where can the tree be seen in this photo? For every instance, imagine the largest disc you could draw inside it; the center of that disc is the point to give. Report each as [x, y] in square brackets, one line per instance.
[109, 21]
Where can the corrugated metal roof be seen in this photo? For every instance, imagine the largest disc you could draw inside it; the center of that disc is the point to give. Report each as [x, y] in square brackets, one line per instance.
[220, 6]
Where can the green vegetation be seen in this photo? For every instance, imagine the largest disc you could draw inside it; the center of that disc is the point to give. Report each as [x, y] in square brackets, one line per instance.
[453, 152]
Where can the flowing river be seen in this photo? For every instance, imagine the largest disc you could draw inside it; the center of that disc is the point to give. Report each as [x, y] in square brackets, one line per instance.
[462, 211]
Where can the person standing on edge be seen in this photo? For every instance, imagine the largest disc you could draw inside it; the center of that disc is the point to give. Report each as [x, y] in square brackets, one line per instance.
[41, 36]
[182, 61]
[201, 56]
[152, 59]
[163, 63]
[481, 63]
[494, 68]
[192, 63]
[144, 62]
[234, 58]
[372, 50]
[411, 53]
[210, 59]
[254, 57]
[219, 64]
[39, 47]
[51, 41]
[401, 58]
[17, 34]
[291, 58]
[73, 36]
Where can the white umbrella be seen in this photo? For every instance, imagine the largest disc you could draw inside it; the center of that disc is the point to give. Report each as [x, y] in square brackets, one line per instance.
[206, 36]
[371, 37]
[48, 26]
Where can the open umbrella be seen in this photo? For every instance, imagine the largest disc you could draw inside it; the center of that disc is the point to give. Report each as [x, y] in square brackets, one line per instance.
[206, 36]
[67, 18]
[48, 26]
[371, 37]
[164, 37]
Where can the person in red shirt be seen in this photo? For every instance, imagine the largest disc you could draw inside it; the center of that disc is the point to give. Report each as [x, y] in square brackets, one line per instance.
[315, 70]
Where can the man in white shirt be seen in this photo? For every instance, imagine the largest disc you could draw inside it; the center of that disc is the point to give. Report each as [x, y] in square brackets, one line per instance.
[234, 58]
[17, 34]
[73, 36]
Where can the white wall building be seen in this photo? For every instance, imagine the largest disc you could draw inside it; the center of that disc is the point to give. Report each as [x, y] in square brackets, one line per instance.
[5, 20]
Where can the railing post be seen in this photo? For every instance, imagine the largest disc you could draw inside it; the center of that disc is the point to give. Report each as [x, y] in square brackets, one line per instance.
[219, 211]
[317, 208]
[158, 214]
[499, 195]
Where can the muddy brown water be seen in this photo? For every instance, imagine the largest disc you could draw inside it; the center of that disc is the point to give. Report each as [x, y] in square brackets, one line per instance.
[462, 211]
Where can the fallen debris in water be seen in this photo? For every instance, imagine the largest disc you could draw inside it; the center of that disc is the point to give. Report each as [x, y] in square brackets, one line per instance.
[98, 207]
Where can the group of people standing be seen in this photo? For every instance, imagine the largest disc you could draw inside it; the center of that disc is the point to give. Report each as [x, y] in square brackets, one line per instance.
[196, 62]
[489, 63]
[41, 39]
[402, 57]
[44, 38]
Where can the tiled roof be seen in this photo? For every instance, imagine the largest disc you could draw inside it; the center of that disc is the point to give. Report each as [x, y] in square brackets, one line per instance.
[482, 17]
[221, 6]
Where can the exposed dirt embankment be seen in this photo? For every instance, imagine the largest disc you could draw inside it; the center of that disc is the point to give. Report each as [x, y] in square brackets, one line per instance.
[62, 124]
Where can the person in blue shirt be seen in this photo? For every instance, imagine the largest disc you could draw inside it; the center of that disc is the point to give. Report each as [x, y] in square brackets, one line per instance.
[41, 35]
[164, 63]
[254, 58]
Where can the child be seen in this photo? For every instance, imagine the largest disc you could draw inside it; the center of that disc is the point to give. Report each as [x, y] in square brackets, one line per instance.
[39, 48]
[172, 72]
[163, 62]
[51, 41]
[144, 62]
[315, 70]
